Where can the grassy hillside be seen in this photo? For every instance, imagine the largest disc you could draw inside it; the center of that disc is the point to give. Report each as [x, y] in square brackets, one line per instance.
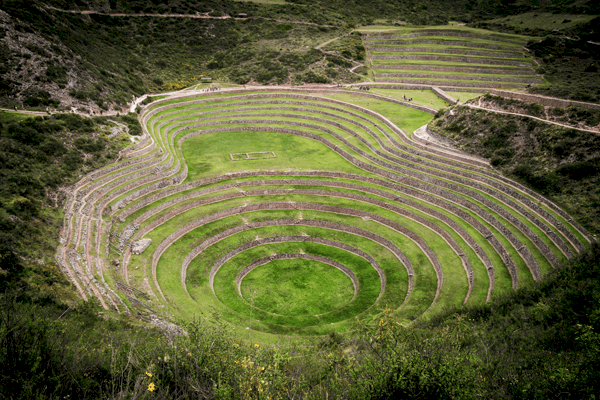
[40, 157]
[59, 59]
[554, 160]
[568, 57]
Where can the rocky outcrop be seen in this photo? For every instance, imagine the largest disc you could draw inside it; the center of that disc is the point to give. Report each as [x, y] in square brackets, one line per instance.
[139, 246]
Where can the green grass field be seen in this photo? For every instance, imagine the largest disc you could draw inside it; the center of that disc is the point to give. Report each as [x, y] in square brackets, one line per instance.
[297, 287]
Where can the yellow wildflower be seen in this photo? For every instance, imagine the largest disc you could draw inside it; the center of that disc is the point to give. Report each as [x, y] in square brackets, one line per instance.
[149, 374]
[256, 346]
[151, 387]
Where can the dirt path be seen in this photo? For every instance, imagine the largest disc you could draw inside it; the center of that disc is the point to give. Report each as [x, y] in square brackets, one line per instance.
[39, 113]
[530, 116]
[194, 16]
[333, 40]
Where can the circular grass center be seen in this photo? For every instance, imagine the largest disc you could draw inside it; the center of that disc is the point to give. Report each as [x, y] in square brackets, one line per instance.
[297, 287]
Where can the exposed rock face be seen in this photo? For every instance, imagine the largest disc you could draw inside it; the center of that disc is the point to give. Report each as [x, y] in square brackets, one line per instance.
[141, 245]
[126, 235]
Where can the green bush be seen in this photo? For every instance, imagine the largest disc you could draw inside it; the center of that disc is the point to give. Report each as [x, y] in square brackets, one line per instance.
[312, 77]
[338, 61]
[579, 170]
[545, 182]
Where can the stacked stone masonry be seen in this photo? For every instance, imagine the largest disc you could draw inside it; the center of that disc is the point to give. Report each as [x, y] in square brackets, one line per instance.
[440, 42]
[448, 51]
[468, 60]
[403, 136]
[473, 70]
[458, 84]
[445, 33]
[513, 193]
[515, 221]
[461, 77]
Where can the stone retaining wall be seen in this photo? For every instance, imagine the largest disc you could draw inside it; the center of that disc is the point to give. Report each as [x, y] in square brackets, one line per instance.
[439, 137]
[402, 136]
[443, 95]
[283, 221]
[142, 151]
[384, 120]
[445, 33]
[416, 164]
[468, 60]
[152, 170]
[391, 126]
[402, 189]
[304, 222]
[292, 182]
[440, 42]
[544, 100]
[406, 86]
[438, 189]
[411, 172]
[119, 165]
[195, 194]
[467, 90]
[147, 162]
[447, 51]
[311, 192]
[459, 77]
[295, 206]
[473, 70]
[294, 94]
[284, 239]
[459, 84]
[132, 185]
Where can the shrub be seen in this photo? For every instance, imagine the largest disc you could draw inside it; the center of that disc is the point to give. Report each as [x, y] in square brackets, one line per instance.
[579, 170]
[544, 182]
[338, 61]
[312, 77]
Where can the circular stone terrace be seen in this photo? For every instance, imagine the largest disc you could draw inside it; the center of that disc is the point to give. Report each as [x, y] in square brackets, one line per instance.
[295, 212]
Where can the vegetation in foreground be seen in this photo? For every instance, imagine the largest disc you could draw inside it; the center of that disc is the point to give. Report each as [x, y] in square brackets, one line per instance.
[539, 343]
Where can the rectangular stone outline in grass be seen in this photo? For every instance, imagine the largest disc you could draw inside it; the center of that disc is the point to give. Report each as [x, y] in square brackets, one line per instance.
[233, 155]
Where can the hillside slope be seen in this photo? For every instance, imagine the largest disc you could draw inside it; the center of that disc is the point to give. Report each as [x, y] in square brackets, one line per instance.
[560, 162]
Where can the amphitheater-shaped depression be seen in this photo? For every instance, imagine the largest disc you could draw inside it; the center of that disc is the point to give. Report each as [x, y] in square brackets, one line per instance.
[350, 217]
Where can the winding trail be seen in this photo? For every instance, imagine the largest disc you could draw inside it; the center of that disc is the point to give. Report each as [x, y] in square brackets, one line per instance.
[333, 40]
[597, 131]
[193, 16]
